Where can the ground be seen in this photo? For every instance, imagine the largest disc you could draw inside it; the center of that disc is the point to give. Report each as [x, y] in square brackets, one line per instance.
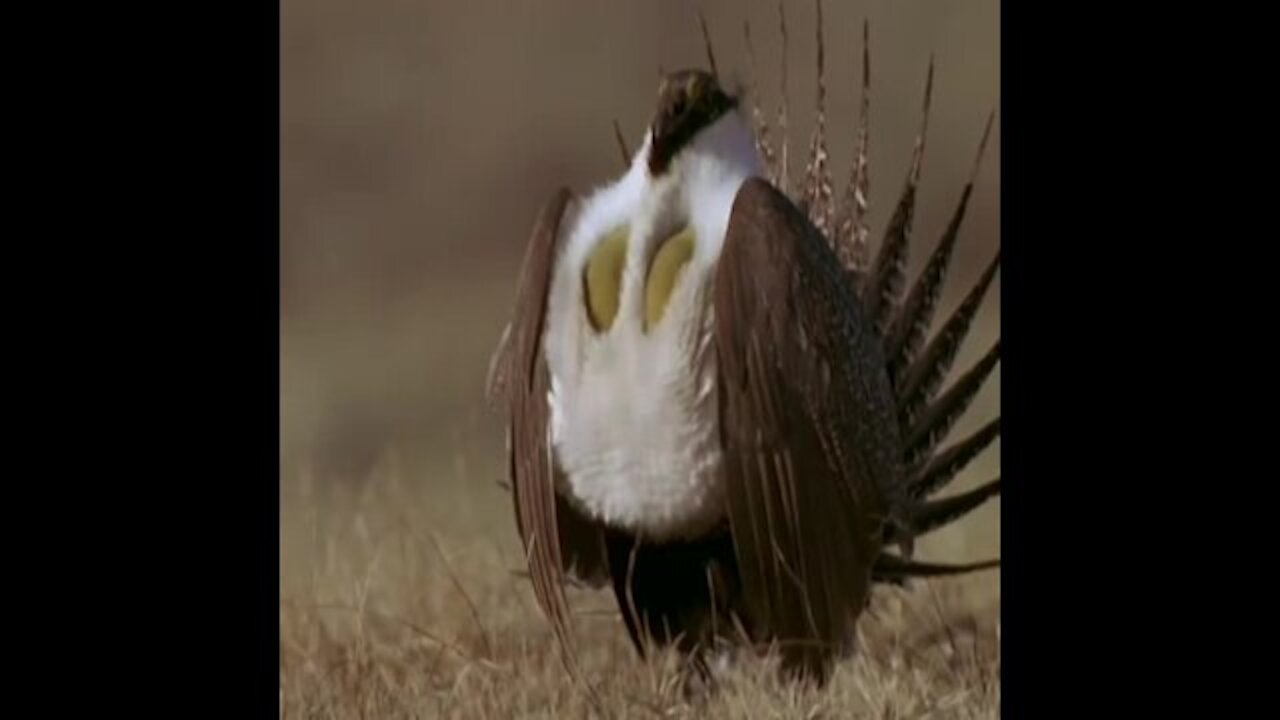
[407, 602]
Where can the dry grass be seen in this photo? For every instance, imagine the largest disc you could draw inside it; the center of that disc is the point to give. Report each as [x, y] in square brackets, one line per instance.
[403, 602]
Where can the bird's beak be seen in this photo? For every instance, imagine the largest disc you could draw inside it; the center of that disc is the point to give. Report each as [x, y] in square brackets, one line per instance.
[662, 127]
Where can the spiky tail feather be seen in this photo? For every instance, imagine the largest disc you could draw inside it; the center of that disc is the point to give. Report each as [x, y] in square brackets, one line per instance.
[851, 231]
[816, 197]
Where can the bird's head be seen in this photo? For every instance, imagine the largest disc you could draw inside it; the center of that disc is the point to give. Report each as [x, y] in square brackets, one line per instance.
[688, 102]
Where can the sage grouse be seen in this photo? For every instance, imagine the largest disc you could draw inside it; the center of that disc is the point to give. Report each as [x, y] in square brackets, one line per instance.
[717, 403]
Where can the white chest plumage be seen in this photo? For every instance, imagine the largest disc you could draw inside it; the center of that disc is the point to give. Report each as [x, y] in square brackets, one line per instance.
[633, 408]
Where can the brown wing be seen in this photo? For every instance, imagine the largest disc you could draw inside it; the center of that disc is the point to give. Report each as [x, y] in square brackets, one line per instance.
[808, 428]
[553, 535]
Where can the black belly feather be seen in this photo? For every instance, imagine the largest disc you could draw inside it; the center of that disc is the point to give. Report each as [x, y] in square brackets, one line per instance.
[685, 593]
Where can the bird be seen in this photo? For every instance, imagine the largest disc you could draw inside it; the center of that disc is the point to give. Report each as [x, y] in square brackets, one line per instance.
[717, 406]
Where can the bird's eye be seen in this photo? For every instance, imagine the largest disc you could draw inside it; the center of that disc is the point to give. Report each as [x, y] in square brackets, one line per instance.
[678, 107]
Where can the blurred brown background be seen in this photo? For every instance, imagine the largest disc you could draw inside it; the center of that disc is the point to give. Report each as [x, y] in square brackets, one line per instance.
[419, 138]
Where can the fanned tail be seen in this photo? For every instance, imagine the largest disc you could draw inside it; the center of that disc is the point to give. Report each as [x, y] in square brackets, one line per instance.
[918, 365]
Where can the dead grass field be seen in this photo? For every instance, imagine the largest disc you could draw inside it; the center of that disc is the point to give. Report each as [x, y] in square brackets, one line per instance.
[417, 141]
[403, 603]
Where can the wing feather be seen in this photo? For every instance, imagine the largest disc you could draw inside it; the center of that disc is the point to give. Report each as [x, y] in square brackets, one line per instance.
[523, 388]
[808, 427]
